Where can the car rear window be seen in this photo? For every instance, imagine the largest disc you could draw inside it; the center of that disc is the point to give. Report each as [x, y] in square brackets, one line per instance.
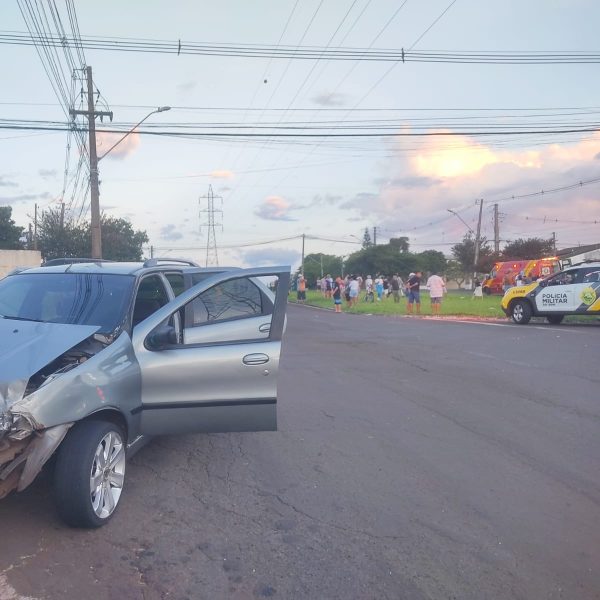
[73, 298]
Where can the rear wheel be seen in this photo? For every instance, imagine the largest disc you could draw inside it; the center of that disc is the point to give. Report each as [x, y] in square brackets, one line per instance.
[521, 312]
[555, 319]
[90, 472]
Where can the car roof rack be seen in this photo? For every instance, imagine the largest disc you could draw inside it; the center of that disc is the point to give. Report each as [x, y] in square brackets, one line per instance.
[154, 262]
[53, 262]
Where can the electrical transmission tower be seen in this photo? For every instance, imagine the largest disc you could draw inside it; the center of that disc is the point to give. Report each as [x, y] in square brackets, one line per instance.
[212, 257]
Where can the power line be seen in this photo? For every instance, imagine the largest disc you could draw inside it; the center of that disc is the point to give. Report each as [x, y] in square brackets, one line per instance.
[299, 52]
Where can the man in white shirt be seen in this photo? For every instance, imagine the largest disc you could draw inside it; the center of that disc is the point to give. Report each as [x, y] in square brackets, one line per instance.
[437, 288]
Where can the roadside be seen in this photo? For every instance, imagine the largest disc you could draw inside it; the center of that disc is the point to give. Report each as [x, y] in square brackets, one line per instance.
[456, 305]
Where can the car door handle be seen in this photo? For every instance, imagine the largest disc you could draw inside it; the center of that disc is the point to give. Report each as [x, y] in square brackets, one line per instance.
[255, 359]
[265, 328]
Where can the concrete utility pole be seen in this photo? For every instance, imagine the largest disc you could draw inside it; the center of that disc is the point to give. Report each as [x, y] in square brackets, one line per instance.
[374, 236]
[91, 115]
[303, 237]
[496, 231]
[35, 228]
[554, 241]
[478, 236]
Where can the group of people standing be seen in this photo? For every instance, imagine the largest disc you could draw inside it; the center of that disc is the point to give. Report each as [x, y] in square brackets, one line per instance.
[350, 287]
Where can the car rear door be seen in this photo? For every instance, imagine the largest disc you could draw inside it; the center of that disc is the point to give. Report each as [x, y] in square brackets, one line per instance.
[222, 382]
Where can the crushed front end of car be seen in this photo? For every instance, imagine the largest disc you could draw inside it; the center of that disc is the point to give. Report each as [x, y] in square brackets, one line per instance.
[35, 361]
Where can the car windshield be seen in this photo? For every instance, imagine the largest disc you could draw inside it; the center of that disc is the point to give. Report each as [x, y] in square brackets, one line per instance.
[74, 298]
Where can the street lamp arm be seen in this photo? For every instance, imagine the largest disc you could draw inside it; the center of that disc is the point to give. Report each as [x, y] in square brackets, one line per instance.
[158, 110]
[458, 216]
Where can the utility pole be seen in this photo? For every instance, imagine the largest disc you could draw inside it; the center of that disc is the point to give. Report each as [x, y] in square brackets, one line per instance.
[478, 236]
[62, 216]
[554, 241]
[303, 237]
[374, 236]
[91, 115]
[35, 228]
[212, 257]
[496, 231]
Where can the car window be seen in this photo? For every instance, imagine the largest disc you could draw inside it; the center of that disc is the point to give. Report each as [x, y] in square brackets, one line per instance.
[151, 295]
[591, 275]
[71, 298]
[234, 299]
[564, 278]
[176, 282]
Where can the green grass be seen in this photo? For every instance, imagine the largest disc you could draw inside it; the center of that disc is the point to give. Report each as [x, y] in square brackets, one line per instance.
[459, 303]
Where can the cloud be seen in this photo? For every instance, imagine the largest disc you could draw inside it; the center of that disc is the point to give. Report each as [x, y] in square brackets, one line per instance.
[171, 233]
[24, 198]
[6, 183]
[186, 87]
[128, 146]
[416, 189]
[361, 201]
[331, 99]
[269, 256]
[221, 174]
[274, 208]
[47, 173]
[224, 188]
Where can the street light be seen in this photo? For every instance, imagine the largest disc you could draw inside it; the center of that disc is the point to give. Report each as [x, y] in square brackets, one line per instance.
[458, 216]
[158, 110]
[94, 188]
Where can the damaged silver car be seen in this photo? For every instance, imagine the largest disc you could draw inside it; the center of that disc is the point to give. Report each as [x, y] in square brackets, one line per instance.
[98, 357]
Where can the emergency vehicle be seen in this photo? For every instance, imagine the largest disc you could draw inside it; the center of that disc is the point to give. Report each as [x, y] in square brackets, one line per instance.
[574, 291]
[532, 269]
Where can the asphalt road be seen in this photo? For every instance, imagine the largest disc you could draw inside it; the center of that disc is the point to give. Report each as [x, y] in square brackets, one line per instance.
[415, 459]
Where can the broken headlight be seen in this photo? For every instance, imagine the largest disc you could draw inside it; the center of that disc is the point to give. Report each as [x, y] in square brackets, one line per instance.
[6, 422]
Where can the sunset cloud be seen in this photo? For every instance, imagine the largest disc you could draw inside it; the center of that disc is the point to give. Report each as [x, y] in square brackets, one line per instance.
[221, 174]
[128, 146]
[274, 208]
[416, 188]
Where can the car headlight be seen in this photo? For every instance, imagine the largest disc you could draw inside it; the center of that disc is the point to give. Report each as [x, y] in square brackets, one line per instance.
[6, 422]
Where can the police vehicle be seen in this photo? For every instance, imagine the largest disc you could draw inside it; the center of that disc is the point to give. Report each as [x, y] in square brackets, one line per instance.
[574, 291]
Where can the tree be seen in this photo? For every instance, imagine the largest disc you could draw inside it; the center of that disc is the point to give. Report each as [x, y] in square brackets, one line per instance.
[380, 259]
[464, 253]
[69, 239]
[432, 261]
[58, 241]
[10, 233]
[527, 249]
[367, 243]
[400, 242]
[455, 272]
[120, 241]
[332, 265]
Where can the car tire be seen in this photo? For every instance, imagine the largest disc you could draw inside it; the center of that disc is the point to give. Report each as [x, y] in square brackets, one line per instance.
[89, 473]
[521, 312]
[555, 319]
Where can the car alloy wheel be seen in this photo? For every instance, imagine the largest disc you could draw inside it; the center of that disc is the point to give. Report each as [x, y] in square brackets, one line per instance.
[90, 473]
[107, 475]
[521, 312]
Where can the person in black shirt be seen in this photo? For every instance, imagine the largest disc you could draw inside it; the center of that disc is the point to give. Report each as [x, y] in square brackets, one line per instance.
[414, 292]
[337, 295]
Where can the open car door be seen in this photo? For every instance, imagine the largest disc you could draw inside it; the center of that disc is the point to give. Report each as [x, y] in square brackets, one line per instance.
[225, 379]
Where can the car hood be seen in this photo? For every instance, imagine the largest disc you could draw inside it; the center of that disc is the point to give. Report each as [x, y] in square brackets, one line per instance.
[27, 346]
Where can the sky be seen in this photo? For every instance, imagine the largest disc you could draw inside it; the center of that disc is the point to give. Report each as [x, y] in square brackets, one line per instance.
[329, 189]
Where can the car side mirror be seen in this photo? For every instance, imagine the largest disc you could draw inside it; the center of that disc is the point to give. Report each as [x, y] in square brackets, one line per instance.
[163, 335]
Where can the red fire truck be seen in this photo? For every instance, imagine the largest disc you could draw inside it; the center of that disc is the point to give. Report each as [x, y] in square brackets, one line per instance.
[532, 269]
